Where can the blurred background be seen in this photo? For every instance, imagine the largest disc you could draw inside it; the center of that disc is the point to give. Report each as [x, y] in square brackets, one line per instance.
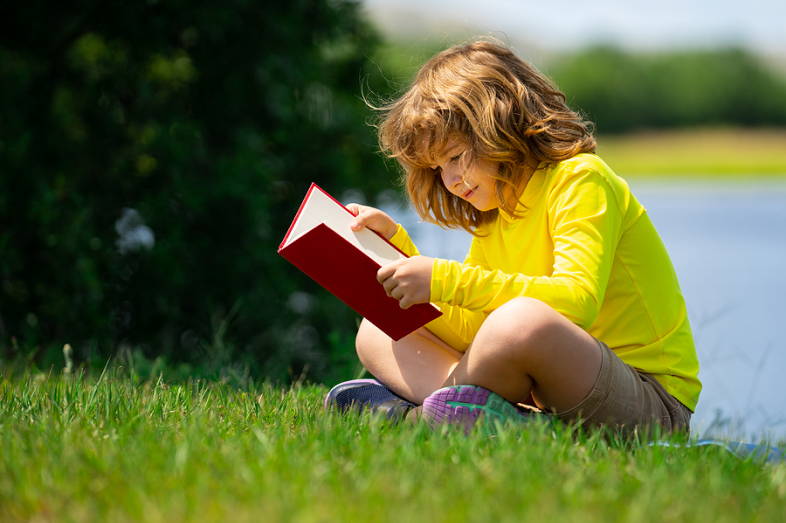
[153, 155]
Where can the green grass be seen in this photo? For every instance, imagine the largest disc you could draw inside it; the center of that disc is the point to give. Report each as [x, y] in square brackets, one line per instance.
[117, 449]
[697, 153]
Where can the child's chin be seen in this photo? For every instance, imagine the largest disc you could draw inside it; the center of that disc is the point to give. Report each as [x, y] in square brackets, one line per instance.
[484, 208]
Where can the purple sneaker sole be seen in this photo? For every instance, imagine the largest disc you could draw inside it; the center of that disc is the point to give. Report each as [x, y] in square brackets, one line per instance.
[468, 405]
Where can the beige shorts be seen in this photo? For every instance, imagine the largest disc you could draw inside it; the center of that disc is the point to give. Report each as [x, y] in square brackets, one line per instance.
[626, 398]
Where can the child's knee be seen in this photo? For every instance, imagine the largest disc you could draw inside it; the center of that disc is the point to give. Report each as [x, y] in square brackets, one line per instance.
[525, 318]
[368, 338]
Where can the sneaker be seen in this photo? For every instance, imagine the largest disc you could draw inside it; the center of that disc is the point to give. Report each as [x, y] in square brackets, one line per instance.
[468, 405]
[361, 395]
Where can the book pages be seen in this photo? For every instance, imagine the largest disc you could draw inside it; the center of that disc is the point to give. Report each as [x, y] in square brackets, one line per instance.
[321, 208]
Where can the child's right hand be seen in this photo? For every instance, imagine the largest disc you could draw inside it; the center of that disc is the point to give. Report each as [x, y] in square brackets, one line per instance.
[372, 218]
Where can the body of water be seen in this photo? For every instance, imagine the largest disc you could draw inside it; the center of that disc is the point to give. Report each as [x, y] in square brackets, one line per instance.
[727, 240]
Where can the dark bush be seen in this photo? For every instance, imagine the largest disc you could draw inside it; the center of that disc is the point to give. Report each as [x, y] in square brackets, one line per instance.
[152, 155]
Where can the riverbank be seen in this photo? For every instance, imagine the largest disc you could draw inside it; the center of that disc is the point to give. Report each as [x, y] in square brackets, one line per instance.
[727, 152]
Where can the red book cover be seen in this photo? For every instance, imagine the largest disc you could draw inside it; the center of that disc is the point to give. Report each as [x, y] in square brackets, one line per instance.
[320, 243]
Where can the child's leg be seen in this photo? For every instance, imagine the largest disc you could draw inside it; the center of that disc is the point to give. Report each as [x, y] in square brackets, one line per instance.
[412, 367]
[526, 347]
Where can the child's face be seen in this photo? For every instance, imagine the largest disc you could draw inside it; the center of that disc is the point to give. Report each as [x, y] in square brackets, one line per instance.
[467, 179]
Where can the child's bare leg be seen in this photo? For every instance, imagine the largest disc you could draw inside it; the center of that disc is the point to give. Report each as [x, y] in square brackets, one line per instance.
[527, 347]
[412, 367]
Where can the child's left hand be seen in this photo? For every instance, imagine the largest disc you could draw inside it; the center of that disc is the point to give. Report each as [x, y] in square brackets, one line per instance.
[408, 280]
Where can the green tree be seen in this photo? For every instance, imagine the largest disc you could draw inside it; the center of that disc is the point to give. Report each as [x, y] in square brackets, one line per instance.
[152, 155]
[621, 92]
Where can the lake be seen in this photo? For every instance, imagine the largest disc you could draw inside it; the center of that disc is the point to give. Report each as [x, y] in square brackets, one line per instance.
[727, 239]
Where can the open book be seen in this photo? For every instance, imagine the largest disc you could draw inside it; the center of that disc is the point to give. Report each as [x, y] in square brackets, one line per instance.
[320, 243]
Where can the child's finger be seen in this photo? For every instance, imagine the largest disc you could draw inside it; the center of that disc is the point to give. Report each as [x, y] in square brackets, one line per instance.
[373, 219]
[385, 272]
[362, 217]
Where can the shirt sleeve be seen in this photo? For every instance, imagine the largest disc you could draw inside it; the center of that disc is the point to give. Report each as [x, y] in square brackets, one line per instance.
[402, 240]
[457, 326]
[585, 222]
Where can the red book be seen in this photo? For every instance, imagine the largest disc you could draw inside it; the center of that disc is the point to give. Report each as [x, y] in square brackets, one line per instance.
[320, 243]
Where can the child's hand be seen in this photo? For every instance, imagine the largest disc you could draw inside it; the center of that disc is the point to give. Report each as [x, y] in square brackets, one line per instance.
[372, 218]
[408, 280]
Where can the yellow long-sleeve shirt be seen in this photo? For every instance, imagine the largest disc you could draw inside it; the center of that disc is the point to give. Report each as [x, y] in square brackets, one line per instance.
[584, 245]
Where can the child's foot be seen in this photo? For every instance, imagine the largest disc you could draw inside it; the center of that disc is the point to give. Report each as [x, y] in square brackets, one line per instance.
[360, 395]
[467, 405]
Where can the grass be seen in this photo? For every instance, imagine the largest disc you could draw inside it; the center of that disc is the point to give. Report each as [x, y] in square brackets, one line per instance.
[697, 152]
[118, 449]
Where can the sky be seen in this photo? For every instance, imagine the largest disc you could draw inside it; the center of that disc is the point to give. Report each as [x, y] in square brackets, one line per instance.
[759, 25]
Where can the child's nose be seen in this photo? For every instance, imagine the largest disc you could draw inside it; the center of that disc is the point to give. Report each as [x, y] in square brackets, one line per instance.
[452, 177]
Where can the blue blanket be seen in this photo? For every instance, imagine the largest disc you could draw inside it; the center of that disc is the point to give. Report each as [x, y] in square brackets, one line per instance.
[761, 452]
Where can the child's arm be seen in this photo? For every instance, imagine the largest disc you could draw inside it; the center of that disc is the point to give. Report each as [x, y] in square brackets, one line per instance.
[407, 280]
[585, 222]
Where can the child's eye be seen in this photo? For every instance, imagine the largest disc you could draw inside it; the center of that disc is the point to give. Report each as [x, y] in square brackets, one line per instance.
[455, 158]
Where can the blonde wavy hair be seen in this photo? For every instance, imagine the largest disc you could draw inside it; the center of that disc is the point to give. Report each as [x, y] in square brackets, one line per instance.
[499, 106]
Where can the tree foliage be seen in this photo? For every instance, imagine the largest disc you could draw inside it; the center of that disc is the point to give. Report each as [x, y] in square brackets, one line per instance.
[152, 155]
[622, 92]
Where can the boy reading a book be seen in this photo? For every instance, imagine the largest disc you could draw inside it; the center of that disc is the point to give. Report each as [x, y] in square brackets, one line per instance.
[567, 299]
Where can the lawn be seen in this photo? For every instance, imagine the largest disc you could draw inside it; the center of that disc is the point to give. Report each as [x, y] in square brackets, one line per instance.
[697, 152]
[114, 448]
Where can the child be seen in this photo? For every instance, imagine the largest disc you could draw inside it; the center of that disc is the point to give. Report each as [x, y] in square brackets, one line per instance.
[567, 300]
